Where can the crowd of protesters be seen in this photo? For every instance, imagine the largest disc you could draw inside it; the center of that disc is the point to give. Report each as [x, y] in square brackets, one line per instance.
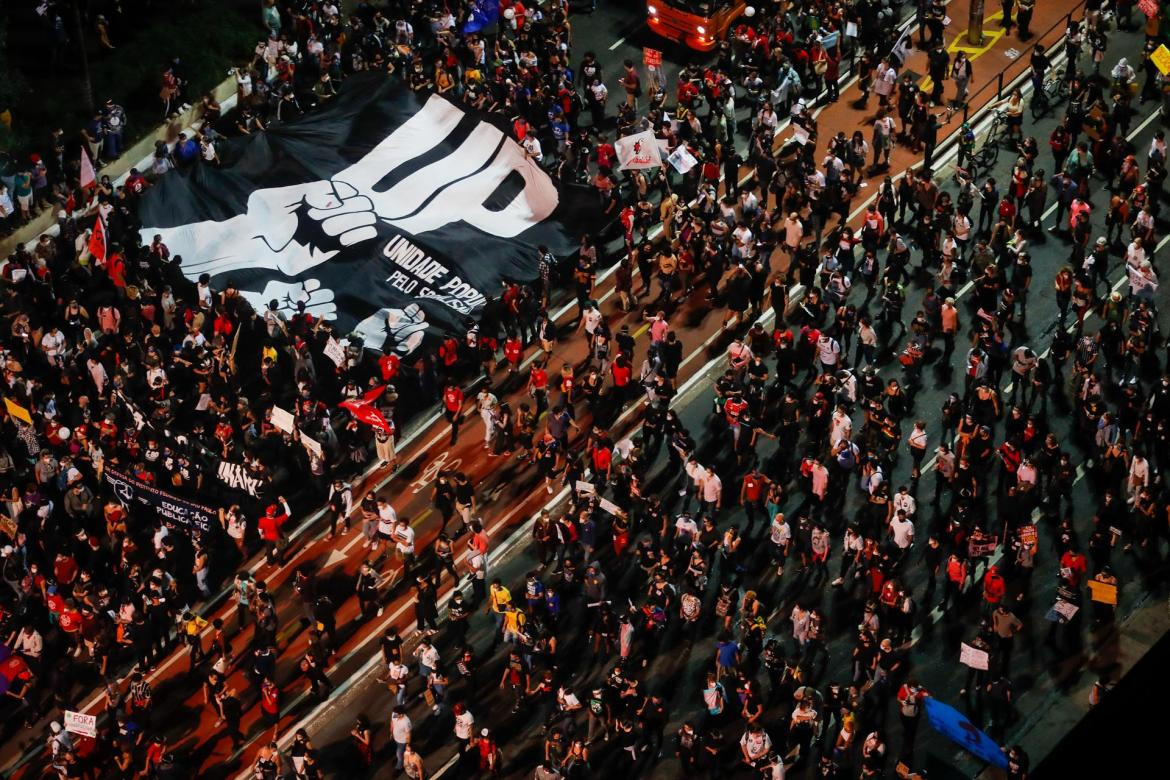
[120, 362]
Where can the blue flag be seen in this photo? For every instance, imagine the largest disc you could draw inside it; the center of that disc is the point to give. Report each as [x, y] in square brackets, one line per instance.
[485, 13]
[956, 727]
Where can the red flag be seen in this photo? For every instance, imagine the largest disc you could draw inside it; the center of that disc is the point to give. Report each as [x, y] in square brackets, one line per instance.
[97, 242]
[88, 174]
[363, 409]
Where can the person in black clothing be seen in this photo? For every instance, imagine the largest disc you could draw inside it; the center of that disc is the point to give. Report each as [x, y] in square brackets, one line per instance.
[426, 610]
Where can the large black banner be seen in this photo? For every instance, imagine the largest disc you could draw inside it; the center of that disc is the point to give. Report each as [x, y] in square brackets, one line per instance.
[390, 213]
[134, 492]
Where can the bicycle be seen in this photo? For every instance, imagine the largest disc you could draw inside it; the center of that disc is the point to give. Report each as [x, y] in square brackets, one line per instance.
[1048, 97]
[997, 129]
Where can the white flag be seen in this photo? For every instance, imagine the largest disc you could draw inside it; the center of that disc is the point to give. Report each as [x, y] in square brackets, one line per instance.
[639, 150]
[682, 160]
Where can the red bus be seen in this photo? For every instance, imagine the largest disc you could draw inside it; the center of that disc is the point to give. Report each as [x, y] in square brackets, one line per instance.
[699, 24]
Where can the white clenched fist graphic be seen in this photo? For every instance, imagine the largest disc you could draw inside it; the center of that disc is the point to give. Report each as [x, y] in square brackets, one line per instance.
[344, 214]
[406, 326]
[318, 300]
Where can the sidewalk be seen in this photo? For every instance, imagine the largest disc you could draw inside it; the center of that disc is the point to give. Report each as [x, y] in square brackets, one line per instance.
[1002, 54]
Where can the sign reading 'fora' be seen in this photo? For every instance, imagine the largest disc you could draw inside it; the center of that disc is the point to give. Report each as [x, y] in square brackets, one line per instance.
[387, 213]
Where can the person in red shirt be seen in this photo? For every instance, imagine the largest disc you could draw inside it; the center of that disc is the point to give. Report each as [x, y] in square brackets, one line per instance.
[513, 351]
[270, 702]
[154, 755]
[538, 386]
[70, 624]
[605, 154]
[1073, 567]
[622, 374]
[64, 569]
[733, 407]
[751, 495]
[601, 455]
[223, 325]
[993, 587]
[54, 602]
[271, 528]
[453, 408]
[388, 365]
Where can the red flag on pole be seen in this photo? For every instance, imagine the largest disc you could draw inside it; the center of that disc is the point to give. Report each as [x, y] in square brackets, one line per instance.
[363, 409]
[97, 242]
[88, 174]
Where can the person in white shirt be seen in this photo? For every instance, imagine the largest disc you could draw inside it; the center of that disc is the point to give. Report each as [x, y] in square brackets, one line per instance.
[828, 353]
[396, 676]
[902, 531]
[904, 502]
[532, 148]
[486, 403]
[400, 729]
[1139, 477]
[1026, 475]
[404, 542]
[841, 427]
[29, 644]
[1135, 253]
[743, 242]
[781, 537]
[793, 232]
[685, 527]
[387, 521]
[739, 356]
[53, 344]
[694, 472]
[464, 725]
[590, 319]
[712, 492]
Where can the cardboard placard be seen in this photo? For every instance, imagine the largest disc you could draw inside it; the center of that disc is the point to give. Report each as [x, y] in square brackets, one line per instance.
[282, 419]
[80, 723]
[584, 487]
[978, 548]
[17, 411]
[1103, 592]
[334, 351]
[9, 526]
[973, 657]
[1028, 535]
[682, 160]
[1161, 59]
[1062, 611]
[611, 507]
[312, 445]
[651, 58]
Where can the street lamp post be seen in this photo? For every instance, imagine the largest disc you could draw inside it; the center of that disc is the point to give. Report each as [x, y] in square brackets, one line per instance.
[975, 24]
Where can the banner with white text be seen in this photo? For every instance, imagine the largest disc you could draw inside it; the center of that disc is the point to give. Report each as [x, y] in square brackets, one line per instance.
[394, 215]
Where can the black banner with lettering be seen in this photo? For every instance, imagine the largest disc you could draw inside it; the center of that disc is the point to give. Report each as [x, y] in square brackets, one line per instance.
[238, 476]
[393, 214]
[133, 492]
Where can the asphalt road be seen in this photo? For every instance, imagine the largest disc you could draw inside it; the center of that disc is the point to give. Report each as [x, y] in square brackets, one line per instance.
[1039, 675]
[510, 494]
